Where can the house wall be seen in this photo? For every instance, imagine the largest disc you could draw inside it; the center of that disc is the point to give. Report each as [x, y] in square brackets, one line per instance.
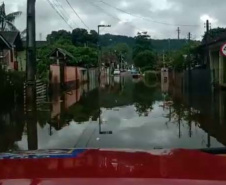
[214, 66]
[11, 57]
[6, 60]
[75, 76]
[55, 74]
[72, 74]
[93, 81]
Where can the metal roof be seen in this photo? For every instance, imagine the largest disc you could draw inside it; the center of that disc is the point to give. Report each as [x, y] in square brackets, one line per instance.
[64, 52]
[4, 43]
[10, 36]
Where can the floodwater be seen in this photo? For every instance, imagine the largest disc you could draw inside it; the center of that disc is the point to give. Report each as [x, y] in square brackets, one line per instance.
[122, 113]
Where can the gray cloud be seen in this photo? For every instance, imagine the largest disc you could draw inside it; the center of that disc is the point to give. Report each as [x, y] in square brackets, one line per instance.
[168, 11]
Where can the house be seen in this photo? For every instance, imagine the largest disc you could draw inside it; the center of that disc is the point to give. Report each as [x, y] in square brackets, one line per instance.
[217, 62]
[10, 46]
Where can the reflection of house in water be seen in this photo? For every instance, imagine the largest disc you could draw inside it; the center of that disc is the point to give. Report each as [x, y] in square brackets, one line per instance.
[78, 104]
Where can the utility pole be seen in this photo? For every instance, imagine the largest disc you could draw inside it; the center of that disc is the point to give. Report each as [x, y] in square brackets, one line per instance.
[31, 45]
[178, 33]
[207, 41]
[31, 116]
[189, 58]
[163, 58]
[189, 86]
[189, 36]
[189, 54]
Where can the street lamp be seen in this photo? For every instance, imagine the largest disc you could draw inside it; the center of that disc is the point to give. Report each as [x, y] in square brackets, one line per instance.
[102, 26]
[99, 47]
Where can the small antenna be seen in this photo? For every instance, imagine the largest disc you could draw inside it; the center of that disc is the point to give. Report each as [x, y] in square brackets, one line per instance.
[40, 36]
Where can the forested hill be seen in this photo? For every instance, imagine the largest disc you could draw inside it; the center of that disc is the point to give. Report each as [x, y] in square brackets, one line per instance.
[157, 45]
[168, 44]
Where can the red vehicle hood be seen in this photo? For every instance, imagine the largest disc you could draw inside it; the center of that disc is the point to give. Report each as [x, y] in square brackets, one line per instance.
[112, 167]
[109, 181]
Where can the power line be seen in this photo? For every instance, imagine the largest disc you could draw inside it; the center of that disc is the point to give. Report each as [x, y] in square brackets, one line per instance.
[116, 18]
[64, 11]
[59, 5]
[146, 18]
[77, 14]
[58, 12]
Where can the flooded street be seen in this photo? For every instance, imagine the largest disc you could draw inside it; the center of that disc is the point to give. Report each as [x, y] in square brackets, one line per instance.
[123, 113]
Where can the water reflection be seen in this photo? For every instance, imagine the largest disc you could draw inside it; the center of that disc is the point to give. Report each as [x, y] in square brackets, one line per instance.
[122, 113]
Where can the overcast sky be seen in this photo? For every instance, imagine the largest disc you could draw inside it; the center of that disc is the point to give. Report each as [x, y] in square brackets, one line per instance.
[145, 14]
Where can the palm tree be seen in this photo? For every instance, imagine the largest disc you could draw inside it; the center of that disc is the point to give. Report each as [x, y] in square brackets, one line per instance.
[7, 21]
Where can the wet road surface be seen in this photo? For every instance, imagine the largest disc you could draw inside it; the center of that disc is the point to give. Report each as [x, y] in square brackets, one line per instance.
[123, 113]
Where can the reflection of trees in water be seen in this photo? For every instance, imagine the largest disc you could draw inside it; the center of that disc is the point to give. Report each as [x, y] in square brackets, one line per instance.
[180, 114]
[117, 94]
[11, 110]
[127, 93]
[11, 124]
[144, 98]
[191, 114]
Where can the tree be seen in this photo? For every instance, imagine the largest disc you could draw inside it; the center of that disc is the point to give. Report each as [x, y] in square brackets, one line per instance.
[144, 98]
[83, 56]
[180, 58]
[123, 50]
[93, 37]
[80, 37]
[214, 34]
[145, 59]
[7, 21]
[59, 35]
[142, 43]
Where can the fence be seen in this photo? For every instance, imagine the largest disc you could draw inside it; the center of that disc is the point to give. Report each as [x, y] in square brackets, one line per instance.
[41, 94]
